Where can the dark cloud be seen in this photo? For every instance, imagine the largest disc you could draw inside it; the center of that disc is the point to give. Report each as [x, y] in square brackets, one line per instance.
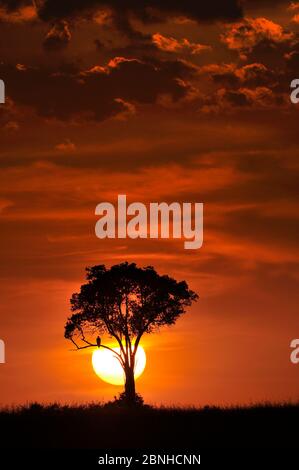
[121, 13]
[236, 98]
[246, 35]
[266, 3]
[253, 75]
[251, 86]
[260, 40]
[250, 75]
[227, 100]
[58, 37]
[98, 93]
[98, 44]
[12, 5]
[263, 227]
[272, 180]
[150, 11]
[146, 11]
[292, 62]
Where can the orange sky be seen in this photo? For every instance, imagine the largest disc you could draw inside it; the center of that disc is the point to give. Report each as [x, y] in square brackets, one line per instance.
[161, 107]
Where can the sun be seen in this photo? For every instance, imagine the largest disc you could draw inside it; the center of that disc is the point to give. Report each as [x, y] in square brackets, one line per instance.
[107, 367]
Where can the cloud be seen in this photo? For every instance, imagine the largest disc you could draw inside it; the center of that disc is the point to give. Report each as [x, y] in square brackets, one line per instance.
[267, 3]
[250, 86]
[24, 13]
[58, 37]
[235, 99]
[8, 116]
[129, 109]
[245, 35]
[292, 62]
[98, 44]
[12, 5]
[259, 97]
[169, 44]
[66, 146]
[146, 11]
[250, 75]
[120, 13]
[293, 6]
[98, 93]
[246, 97]
[256, 75]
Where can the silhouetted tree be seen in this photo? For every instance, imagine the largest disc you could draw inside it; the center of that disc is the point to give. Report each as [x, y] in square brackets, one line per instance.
[125, 302]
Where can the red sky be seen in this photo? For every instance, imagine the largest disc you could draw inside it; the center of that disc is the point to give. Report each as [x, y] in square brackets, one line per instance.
[169, 104]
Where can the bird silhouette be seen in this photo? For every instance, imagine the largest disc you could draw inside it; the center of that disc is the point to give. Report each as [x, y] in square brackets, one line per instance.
[98, 341]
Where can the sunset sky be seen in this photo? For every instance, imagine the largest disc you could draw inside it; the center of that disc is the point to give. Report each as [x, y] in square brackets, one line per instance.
[166, 100]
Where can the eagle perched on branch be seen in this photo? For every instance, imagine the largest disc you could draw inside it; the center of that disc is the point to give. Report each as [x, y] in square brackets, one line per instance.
[98, 341]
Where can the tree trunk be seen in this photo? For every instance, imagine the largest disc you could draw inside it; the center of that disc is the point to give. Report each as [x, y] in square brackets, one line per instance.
[130, 392]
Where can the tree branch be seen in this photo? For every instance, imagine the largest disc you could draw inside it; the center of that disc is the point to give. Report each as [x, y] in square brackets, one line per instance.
[139, 337]
[91, 345]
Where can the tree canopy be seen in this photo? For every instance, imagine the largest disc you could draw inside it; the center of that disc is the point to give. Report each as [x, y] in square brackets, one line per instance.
[125, 302]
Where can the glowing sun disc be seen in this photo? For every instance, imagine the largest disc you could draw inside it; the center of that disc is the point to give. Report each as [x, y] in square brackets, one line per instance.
[107, 367]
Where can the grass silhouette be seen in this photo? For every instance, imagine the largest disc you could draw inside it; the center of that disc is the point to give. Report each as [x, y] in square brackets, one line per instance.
[99, 426]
